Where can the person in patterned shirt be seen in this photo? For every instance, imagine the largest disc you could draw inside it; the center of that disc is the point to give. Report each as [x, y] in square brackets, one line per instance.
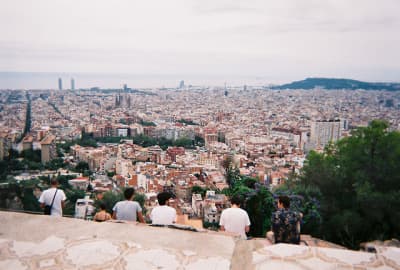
[285, 223]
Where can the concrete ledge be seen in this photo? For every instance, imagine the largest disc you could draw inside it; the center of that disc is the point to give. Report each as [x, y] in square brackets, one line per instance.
[44, 242]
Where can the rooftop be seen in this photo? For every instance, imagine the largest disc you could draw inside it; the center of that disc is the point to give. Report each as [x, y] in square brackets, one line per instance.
[48, 140]
[65, 243]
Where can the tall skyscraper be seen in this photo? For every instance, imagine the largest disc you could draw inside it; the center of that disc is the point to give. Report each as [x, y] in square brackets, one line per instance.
[72, 84]
[182, 84]
[324, 131]
[59, 84]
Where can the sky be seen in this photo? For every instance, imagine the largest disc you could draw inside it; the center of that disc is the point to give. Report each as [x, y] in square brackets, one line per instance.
[281, 40]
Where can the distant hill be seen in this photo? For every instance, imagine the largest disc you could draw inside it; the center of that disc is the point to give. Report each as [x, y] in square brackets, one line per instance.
[327, 83]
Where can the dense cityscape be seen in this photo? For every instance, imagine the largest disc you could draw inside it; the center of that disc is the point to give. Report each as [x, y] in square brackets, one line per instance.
[176, 139]
[200, 134]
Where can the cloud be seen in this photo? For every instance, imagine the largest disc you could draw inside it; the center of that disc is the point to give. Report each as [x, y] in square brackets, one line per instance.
[208, 36]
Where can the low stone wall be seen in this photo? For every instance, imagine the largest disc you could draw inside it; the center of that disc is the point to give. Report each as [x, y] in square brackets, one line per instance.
[44, 242]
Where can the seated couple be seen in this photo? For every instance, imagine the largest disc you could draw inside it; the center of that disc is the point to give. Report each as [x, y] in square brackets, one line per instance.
[130, 210]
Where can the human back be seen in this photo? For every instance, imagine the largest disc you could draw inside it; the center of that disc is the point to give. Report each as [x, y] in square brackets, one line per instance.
[163, 214]
[128, 209]
[102, 215]
[46, 198]
[235, 219]
[286, 223]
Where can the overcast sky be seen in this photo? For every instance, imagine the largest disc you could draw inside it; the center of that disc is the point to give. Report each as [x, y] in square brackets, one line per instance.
[283, 40]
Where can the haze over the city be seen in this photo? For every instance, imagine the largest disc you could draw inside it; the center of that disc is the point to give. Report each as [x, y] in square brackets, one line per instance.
[255, 41]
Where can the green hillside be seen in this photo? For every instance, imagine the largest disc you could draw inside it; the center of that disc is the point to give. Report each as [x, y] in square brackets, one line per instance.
[327, 83]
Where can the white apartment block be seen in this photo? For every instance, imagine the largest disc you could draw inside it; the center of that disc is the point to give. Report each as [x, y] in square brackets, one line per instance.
[325, 131]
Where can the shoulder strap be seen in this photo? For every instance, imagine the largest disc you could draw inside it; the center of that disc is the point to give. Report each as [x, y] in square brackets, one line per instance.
[51, 206]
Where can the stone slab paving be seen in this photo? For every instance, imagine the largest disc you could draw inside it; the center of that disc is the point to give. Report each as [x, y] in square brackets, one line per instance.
[43, 242]
[282, 256]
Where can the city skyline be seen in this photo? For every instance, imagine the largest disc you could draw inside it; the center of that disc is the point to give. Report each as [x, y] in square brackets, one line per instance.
[281, 42]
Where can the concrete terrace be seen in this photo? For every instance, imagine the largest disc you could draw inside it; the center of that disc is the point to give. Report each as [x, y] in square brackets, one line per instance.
[42, 242]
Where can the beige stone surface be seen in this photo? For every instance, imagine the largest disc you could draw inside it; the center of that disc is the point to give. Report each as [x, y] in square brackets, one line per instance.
[44, 242]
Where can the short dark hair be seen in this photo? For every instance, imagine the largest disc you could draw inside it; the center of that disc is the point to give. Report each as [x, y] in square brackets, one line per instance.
[283, 199]
[128, 193]
[54, 182]
[163, 197]
[237, 199]
[103, 206]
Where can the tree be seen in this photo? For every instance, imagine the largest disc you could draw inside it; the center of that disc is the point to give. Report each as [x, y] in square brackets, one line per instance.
[63, 181]
[29, 201]
[233, 176]
[32, 155]
[140, 198]
[198, 141]
[227, 163]
[258, 201]
[305, 200]
[184, 142]
[72, 196]
[110, 173]
[82, 166]
[110, 198]
[259, 206]
[359, 186]
[147, 123]
[55, 164]
[199, 190]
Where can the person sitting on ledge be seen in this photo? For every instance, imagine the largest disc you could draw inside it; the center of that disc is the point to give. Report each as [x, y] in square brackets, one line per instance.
[235, 219]
[285, 223]
[128, 210]
[102, 215]
[163, 214]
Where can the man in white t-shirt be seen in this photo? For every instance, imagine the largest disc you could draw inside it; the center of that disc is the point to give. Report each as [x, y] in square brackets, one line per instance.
[235, 219]
[59, 198]
[163, 214]
[128, 210]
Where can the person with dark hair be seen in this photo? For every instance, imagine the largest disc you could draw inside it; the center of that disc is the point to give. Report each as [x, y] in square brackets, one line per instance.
[102, 215]
[163, 214]
[53, 197]
[235, 219]
[128, 209]
[285, 223]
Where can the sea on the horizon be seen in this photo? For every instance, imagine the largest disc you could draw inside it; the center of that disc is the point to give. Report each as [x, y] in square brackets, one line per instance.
[49, 80]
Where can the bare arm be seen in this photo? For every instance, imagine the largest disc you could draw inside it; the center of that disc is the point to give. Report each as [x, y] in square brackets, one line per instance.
[42, 205]
[221, 228]
[62, 204]
[140, 216]
[114, 215]
[247, 228]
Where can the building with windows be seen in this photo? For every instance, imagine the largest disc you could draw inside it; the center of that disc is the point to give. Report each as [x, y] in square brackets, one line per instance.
[49, 151]
[325, 131]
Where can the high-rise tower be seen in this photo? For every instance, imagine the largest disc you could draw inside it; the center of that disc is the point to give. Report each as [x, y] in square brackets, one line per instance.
[59, 84]
[325, 131]
[72, 84]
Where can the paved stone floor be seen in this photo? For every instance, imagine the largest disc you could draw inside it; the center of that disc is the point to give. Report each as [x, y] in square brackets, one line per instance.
[302, 257]
[89, 253]
[42, 242]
